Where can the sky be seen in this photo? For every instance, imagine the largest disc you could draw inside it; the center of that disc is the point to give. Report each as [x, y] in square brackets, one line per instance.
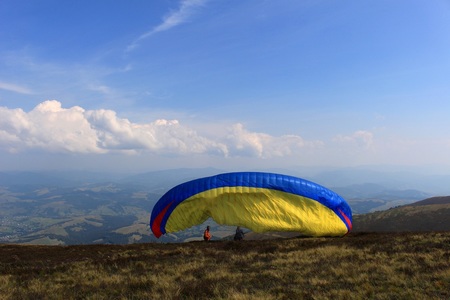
[146, 85]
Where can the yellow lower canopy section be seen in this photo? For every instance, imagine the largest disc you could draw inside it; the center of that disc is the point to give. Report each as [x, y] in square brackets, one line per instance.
[258, 209]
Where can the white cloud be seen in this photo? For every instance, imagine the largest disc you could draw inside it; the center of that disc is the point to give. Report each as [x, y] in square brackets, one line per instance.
[160, 136]
[245, 143]
[361, 138]
[52, 128]
[174, 18]
[180, 16]
[14, 88]
[103, 89]
[48, 127]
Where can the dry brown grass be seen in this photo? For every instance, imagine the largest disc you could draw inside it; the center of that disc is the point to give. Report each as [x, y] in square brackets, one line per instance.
[359, 266]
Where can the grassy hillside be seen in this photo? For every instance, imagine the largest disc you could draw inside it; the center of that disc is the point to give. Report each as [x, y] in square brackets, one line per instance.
[431, 214]
[432, 201]
[358, 266]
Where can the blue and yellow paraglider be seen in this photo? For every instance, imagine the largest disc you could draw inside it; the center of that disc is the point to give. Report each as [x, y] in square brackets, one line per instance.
[261, 202]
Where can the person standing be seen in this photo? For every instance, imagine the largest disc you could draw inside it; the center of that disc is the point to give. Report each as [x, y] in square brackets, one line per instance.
[207, 234]
[239, 236]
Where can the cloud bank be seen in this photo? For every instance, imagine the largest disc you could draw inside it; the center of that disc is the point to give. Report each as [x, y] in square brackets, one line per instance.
[51, 128]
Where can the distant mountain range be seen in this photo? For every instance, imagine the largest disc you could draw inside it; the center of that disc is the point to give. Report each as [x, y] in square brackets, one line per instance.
[88, 208]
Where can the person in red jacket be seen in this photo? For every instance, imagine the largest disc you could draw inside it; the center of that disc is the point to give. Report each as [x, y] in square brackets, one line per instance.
[207, 234]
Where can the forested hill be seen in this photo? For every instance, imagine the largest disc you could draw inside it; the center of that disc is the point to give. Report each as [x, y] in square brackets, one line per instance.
[432, 201]
[432, 214]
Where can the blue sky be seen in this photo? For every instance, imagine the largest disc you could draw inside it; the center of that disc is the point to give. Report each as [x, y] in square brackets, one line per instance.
[147, 85]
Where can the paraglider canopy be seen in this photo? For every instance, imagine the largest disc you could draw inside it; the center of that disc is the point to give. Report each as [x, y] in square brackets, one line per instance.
[261, 202]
